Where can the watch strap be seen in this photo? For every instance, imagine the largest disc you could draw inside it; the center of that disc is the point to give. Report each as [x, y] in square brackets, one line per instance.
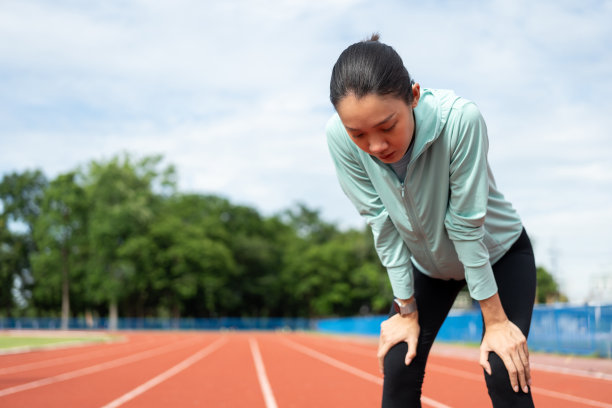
[404, 309]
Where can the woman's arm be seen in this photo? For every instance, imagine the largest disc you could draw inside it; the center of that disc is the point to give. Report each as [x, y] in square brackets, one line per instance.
[392, 251]
[469, 180]
[356, 184]
[469, 196]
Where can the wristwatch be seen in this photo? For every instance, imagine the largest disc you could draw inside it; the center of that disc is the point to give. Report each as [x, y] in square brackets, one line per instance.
[404, 309]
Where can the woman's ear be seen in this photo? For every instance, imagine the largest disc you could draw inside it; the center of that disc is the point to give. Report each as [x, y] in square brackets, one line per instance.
[416, 94]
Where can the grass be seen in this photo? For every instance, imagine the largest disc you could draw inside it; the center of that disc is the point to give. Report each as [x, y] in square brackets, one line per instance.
[12, 341]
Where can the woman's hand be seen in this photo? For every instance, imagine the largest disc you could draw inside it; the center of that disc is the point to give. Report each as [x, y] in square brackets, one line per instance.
[397, 329]
[506, 340]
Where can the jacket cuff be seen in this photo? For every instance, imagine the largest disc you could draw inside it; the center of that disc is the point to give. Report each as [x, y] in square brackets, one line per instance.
[401, 281]
[474, 256]
[481, 281]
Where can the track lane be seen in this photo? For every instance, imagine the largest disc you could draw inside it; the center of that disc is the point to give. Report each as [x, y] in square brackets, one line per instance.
[300, 381]
[364, 359]
[550, 390]
[262, 377]
[11, 357]
[228, 377]
[51, 362]
[169, 373]
[62, 370]
[39, 358]
[93, 386]
[225, 378]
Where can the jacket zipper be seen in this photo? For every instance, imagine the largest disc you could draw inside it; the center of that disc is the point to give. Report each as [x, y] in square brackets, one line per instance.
[409, 203]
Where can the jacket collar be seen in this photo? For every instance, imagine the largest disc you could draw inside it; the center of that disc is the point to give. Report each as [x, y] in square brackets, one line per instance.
[431, 115]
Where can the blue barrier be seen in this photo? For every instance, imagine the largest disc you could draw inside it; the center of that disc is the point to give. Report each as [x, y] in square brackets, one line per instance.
[222, 323]
[580, 330]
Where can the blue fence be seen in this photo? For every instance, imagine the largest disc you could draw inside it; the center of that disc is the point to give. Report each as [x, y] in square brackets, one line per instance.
[223, 323]
[581, 330]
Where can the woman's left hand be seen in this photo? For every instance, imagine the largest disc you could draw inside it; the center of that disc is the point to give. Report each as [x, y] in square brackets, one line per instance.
[394, 330]
[507, 341]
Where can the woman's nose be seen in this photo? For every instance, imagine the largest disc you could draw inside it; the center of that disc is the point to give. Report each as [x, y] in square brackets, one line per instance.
[378, 145]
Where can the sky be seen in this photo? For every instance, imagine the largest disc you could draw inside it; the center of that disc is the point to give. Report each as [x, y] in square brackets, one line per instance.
[235, 94]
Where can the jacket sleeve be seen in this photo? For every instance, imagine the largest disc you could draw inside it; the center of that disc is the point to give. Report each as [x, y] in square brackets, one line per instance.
[357, 186]
[467, 208]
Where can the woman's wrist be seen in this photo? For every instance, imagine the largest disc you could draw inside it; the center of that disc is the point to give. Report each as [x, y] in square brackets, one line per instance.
[405, 307]
[492, 311]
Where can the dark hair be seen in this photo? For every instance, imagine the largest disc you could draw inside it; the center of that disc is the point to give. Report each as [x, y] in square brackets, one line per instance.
[370, 67]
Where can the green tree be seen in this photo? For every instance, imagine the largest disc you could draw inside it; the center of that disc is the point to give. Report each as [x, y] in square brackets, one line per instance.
[122, 202]
[191, 263]
[339, 277]
[547, 290]
[60, 236]
[20, 198]
[21, 195]
[14, 264]
[307, 224]
[329, 272]
[117, 236]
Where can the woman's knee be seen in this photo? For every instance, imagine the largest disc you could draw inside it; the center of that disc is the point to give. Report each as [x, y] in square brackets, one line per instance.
[500, 389]
[397, 372]
[402, 385]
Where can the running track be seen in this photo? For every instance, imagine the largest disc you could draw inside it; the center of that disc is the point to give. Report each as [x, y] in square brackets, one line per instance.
[253, 369]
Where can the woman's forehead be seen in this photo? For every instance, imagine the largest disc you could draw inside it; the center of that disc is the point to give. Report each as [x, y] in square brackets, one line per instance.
[368, 111]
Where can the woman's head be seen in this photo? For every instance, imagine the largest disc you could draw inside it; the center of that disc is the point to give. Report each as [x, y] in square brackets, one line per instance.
[370, 67]
[375, 97]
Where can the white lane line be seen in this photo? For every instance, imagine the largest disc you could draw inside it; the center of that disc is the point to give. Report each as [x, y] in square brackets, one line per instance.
[166, 374]
[534, 366]
[86, 355]
[350, 369]
[333, 362]
[454, 371]
[534, 390]
[92, 369]
[571, 371]
[349, 347]
[571, 398]
[261, 375]
[558, 369]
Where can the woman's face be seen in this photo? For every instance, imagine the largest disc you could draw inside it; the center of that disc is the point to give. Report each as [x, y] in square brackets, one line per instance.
[382, 126]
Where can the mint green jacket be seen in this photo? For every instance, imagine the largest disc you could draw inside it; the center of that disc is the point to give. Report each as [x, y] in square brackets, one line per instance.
[447, 217]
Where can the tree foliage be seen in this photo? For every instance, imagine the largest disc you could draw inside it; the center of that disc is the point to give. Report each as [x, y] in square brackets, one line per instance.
[547, 290]
[117, 238]
[59, 232]
[21, 196]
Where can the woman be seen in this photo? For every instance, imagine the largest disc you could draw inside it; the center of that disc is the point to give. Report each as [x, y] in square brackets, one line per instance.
[414, 163]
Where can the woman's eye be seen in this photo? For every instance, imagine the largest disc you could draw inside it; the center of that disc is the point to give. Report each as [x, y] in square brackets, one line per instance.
[357, 136]
[389, 128]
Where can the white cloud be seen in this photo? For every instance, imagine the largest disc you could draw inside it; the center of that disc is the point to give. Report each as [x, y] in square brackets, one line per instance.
[236, 95]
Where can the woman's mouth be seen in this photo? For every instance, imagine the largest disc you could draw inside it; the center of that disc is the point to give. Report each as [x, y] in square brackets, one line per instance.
[386, 156]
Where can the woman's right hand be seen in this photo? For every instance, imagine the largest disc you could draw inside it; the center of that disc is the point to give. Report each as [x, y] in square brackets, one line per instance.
[395, 330]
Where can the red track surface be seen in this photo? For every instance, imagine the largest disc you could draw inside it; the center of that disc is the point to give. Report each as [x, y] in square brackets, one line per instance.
[267, 370]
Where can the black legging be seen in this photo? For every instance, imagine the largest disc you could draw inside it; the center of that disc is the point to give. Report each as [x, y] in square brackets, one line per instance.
[515, 274]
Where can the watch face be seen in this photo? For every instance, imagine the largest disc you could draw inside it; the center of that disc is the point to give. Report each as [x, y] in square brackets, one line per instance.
[404, 310]
[396, 306]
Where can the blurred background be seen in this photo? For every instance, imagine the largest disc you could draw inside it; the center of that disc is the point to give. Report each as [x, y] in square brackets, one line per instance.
[168, 159]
